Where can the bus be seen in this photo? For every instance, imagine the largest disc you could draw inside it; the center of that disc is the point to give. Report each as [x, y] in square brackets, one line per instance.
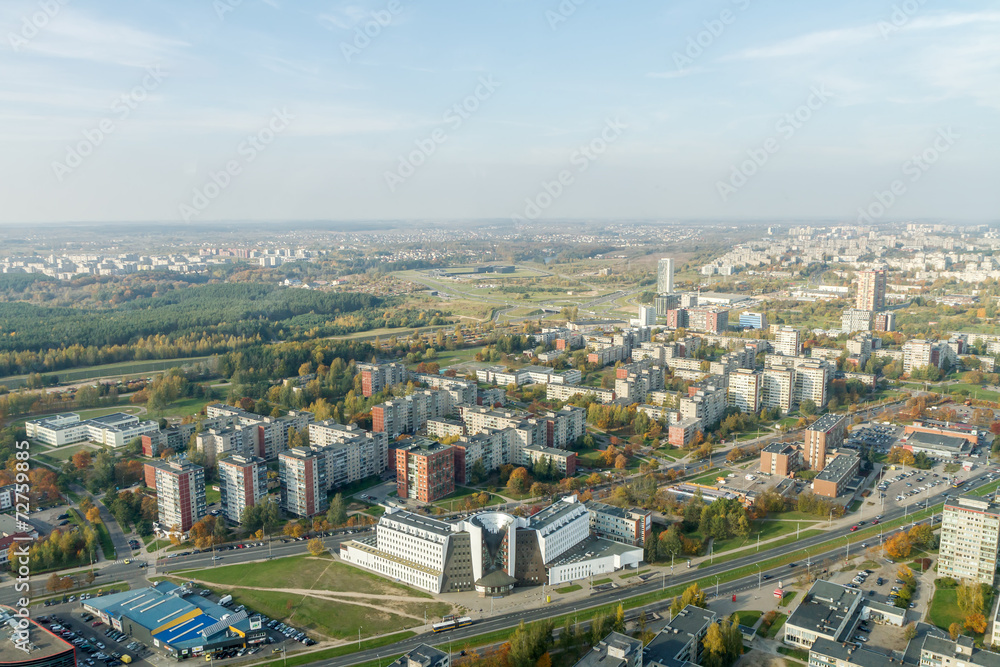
[451, 624]
[957, 483]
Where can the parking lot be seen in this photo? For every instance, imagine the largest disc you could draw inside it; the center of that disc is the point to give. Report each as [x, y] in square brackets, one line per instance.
[99, 645]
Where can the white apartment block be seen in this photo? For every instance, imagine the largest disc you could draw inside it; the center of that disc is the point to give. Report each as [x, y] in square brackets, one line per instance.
[778, 389]
[114, 430]
[349, 453]
[970, 540]
[564, 392]
[745, 388]
[788, 342]
[706, 405]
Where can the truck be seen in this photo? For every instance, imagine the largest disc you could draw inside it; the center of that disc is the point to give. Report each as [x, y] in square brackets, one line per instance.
[126, 658]
[226, 600]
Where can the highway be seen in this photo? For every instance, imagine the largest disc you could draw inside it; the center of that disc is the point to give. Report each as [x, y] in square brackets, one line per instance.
[685, 576]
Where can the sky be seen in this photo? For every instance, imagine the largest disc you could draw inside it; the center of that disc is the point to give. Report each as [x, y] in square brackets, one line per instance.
[273, 110]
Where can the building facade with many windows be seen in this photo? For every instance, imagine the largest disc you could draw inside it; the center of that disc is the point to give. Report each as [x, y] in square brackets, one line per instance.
[970, 540]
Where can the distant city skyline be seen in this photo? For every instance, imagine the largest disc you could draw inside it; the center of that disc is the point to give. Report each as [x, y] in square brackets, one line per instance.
[264, 110]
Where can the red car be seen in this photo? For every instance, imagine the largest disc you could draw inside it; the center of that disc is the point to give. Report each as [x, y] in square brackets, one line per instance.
[95, 624]
[853, 528]
[874, 522]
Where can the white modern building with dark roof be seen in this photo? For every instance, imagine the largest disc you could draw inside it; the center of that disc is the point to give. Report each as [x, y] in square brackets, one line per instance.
[490, 552]
[113, 430]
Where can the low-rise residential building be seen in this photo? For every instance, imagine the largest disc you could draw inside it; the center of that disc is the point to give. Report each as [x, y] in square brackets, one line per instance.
[679, 643]
[826, 612]
[838, 474]
[615, 650]
[628, 526]
[779, 458]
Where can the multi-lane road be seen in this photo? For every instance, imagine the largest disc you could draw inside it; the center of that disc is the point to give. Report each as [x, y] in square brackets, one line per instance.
[748, 585]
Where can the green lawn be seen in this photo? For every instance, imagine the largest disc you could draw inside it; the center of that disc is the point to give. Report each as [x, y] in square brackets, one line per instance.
[796, 653]
[456, 500]
[944, 608]
[314, 656]
[767, 529]
[708, 479]
[787, 599]
[303, 572]
[601, 582]
[791, 539]
[748, 617]
[212, 495]
[975, 391]
[569, 589]
[185, 407]
[777, 626]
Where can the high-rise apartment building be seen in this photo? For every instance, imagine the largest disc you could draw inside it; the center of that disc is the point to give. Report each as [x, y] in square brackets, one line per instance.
[425, 470]
[753, 320]
[376, 377]
[242, 484]
[303, 487]
[665, 276]
[788, 342]
[180, 492]
[708, 319]
[811, 377]
[970, 540]
[871, 290]
[778, 389]
[822, 436]
[745, 389]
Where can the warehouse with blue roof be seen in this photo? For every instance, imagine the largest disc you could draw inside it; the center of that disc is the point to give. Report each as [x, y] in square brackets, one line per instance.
[176, 621]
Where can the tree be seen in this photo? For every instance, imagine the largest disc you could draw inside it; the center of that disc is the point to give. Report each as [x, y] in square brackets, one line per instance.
[955, 629]
[898, 546]
[910, 631]
[220, 533]
[921, 536]
[519, 481]
[693, 595]
[807, 407]
[970, 598]
[94, 515]
[621, 462]
[316, 546]
[81, 459]
[976, 623]
[337, 514]
[714, 646]
[618, 624]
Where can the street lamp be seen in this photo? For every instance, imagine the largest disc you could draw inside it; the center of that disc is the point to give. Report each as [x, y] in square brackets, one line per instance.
[716, 586]
[759, 575]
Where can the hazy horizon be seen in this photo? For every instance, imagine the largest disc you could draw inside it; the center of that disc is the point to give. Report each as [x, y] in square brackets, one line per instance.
[271, 112]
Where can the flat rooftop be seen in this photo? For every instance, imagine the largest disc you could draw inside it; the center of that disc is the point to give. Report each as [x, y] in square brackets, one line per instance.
[826, 423]
[592, 547]
[835, 470]
[824, 608]
[419, 522]
[615, 650]
[865, 656]
[43, 643]
[675, 636]
[947, 443]
[552, 514]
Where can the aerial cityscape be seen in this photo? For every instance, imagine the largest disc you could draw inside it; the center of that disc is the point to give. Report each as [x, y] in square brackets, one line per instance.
[499, 334]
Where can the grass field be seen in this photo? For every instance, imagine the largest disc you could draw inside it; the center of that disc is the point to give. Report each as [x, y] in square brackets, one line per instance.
[975, 391]
[294, 589]
[126, 368]
[768, 531]
[787, 599]
[456, 500]
[709, 478]
[569, 589]
[944, 608]
[748, 617]
[791, 539]
[212, 495]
